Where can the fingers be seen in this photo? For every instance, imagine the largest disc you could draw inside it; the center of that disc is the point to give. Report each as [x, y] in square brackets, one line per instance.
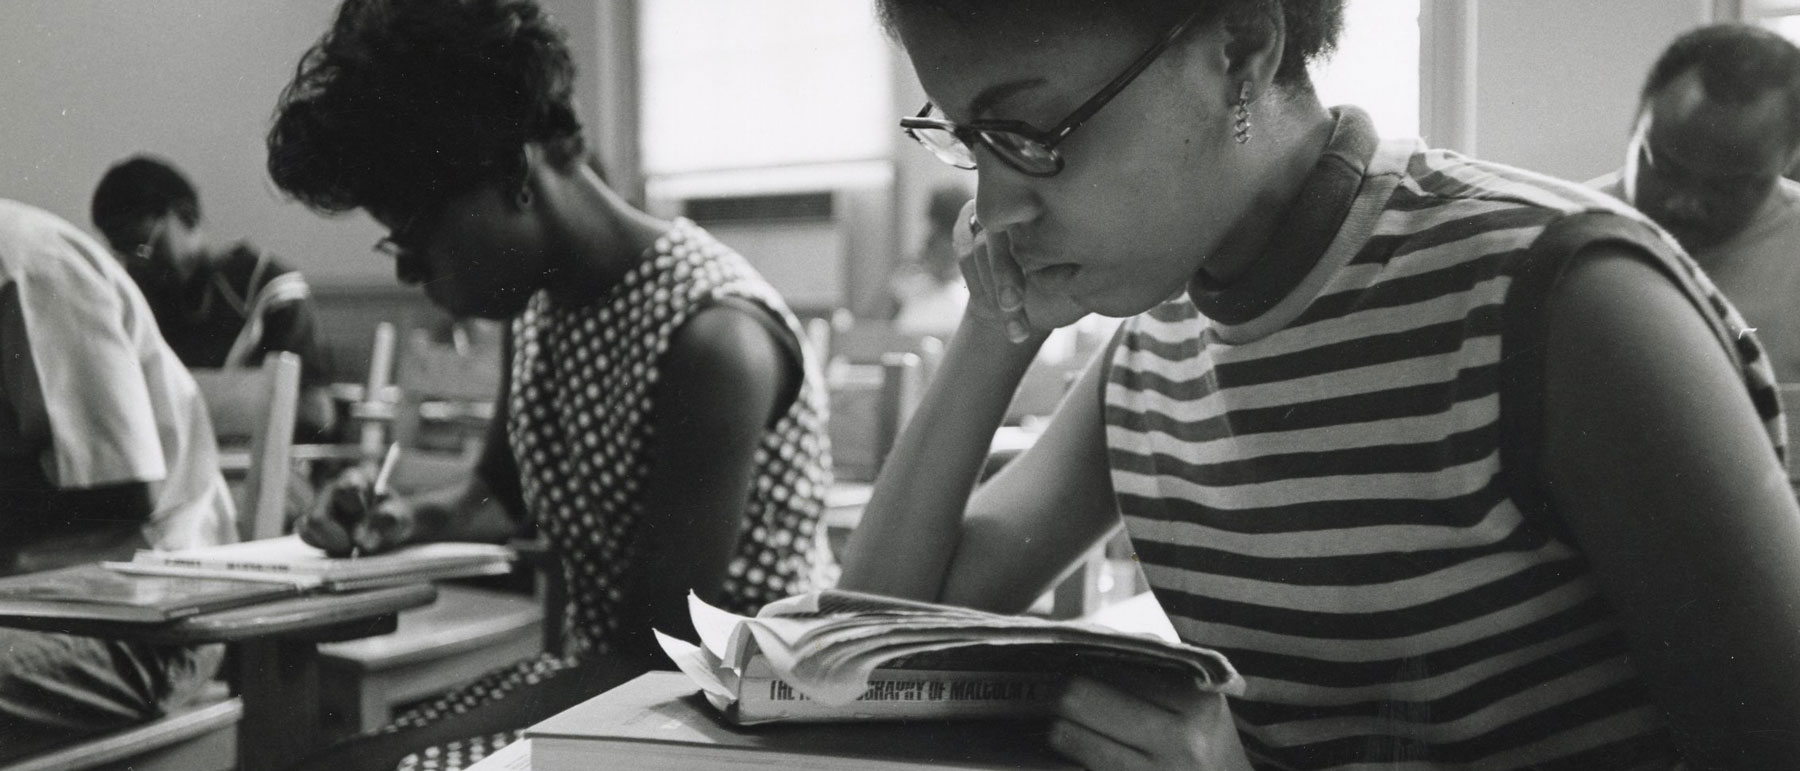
[388, 526]
[996, 282]
[334, 517]
[1120, 716]
[1094, 750]
[1009, 286]
[323, 533]
[1148, 719]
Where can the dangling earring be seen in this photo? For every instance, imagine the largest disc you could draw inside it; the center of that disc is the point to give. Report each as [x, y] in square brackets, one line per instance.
[1243, 113]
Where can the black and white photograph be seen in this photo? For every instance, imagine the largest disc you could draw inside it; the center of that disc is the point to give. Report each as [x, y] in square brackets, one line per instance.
[875, 385]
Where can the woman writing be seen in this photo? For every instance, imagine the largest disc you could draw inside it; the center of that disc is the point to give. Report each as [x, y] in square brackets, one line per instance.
[1462, 466]
[660, 421]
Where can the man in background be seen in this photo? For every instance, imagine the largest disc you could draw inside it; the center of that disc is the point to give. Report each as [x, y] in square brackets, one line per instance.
[1718, 125]
[105, 448]
[216, 308]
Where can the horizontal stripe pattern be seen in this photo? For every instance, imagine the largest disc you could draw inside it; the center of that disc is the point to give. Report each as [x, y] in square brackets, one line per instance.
[1328, 506]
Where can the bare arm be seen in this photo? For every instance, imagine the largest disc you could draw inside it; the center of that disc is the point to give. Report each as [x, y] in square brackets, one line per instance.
[1656, 456]
[922, 536]
[722, 383]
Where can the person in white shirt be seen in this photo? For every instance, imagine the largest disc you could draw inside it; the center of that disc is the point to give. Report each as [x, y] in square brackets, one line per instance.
[105, 447]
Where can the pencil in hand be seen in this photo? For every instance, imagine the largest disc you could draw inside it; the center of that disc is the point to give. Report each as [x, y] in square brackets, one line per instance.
[377, 491]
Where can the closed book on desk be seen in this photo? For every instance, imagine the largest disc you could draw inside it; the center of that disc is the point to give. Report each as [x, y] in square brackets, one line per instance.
[95, 592]
[290, 556]
[658, 722]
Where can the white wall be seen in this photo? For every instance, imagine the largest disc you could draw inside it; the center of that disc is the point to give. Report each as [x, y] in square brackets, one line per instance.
[89, 82]
[1557, 80]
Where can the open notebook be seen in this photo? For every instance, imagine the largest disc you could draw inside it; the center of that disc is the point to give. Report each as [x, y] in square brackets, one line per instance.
[289, 560]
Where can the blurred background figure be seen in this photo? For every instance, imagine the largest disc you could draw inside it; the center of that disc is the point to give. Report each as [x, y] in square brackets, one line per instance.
[929, 294]
[1718, 124]
[216, 307]
[105, 448]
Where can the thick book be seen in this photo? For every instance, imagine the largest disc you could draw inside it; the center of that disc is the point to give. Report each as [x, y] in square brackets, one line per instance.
[96, 592]
[290, 557]
[837, 656]
[658, 722]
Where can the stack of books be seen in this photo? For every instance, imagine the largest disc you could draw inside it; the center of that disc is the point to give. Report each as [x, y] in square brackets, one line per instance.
[837, 680]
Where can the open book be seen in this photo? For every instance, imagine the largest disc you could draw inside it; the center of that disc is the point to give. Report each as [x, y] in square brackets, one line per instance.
[841, 656]
[289, 560]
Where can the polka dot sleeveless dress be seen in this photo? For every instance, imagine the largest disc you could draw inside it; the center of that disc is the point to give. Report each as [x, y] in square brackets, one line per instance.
[582, 385]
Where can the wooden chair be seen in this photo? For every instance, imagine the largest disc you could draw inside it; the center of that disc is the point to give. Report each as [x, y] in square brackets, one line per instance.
[444, 397]
[252, 412]
[201, 737]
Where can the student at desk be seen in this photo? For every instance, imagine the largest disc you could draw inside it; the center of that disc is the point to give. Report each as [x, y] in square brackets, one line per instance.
[105, 448]
[660, 422]
[1462, 466]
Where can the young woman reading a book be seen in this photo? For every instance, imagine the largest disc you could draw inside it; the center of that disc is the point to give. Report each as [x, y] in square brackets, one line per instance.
[660, 421]
[1461, 466]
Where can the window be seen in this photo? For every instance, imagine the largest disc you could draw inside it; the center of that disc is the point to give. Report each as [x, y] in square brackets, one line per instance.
[1376, 66]
[728, 85]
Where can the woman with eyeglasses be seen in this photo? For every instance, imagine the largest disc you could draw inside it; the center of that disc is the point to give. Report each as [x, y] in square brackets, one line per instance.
[660, 422]
[1462, 466]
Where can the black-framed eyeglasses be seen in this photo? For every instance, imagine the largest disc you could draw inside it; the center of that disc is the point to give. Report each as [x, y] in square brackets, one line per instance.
[147, 247]
[1017, 143]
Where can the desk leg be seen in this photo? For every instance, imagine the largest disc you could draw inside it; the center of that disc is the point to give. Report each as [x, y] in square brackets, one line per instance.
[279, 683]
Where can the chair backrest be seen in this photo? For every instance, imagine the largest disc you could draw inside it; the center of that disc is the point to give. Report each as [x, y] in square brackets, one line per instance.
[445, 388]
[200, 737]
[252, 413]
[865, 341]
[869, 406]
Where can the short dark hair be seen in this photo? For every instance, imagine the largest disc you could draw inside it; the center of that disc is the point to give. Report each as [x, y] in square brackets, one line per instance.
[1737, 63]
[404, 102]
[1312, 26]
[142, 187]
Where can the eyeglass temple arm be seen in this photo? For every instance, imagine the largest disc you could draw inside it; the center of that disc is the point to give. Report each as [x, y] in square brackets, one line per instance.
[1099, 100]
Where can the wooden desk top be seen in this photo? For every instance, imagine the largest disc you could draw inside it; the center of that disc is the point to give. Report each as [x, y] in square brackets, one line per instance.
[314, 617]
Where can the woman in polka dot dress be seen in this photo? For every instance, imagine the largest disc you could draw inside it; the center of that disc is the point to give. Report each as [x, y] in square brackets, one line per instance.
[660, 424]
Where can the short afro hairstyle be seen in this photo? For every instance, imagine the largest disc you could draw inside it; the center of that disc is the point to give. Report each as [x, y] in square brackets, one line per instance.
[405, 102]
[1312, 26]
[1737, 64]
[142, 187]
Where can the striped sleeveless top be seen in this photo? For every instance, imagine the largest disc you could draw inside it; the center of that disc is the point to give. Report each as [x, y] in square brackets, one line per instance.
[1323, 471]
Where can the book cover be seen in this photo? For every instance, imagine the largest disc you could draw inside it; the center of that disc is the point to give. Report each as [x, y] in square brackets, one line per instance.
[95, 592]
[658, 722]
[840, 656]
[900, 694]
[289, 555]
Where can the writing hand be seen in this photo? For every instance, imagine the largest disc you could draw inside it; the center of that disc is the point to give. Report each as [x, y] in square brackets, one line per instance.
[350, 516]
[999, 290]
[1138, 722]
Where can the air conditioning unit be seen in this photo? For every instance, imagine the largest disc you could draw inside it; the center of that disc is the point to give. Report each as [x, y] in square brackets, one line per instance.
[822, 236]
